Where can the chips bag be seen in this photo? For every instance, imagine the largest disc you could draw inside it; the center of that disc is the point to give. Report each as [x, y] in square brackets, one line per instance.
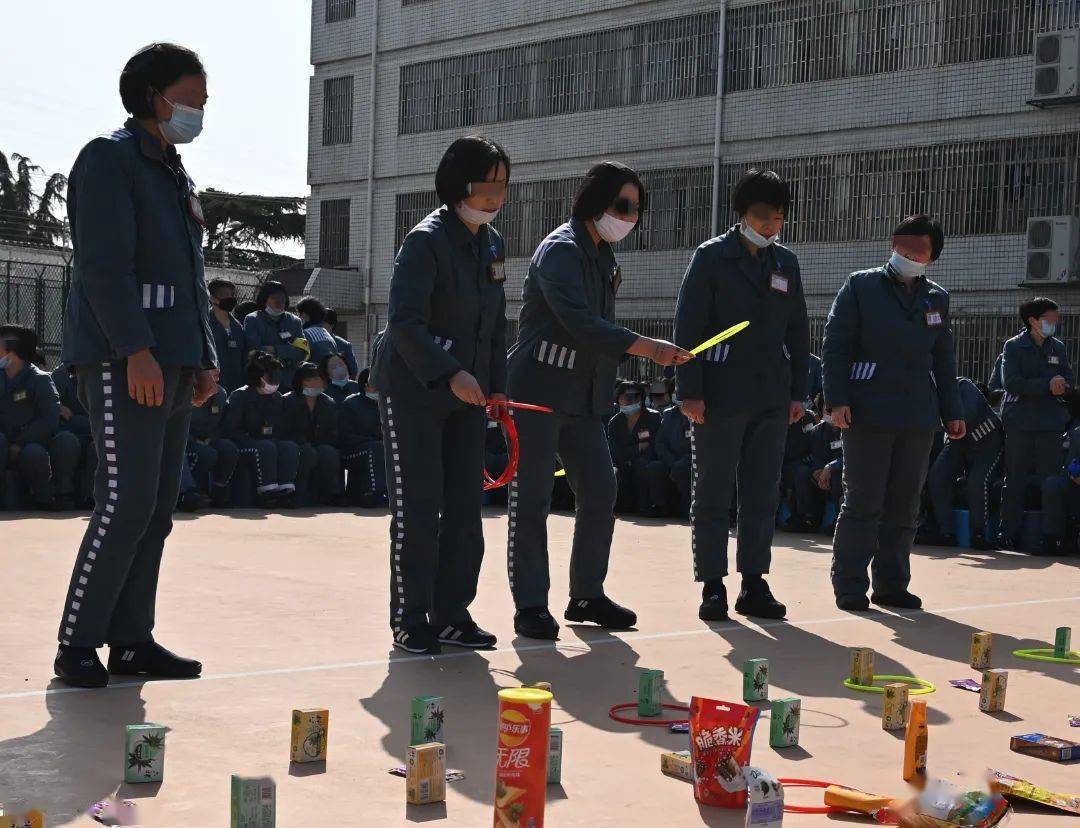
[721, 735]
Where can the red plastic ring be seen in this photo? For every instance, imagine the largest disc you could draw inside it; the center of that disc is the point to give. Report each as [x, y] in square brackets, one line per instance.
[809, 809]
[512, 449]
[634, 720]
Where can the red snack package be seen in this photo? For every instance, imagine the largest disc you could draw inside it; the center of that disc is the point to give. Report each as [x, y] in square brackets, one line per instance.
[721, 735]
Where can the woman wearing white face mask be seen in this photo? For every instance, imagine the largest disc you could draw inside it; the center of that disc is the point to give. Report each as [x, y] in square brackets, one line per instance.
[311, 421]
[890, 383]
[274, 330]
[360, 440]
[440, 359]
[565, 357]
[335, 374]
[632, 433]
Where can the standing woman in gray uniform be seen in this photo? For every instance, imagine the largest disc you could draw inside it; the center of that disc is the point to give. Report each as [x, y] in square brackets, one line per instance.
[137, 327]
[442, 356]
[743, 394]
[565, 357]
[890, 382]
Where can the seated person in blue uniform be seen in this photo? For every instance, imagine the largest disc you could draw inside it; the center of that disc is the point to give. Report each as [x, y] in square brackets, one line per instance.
[1036, 373]
[211, 456]
[255, 422]
[819, 483]
[344, 347]
[311, 421]
[274, 330]
[631, 435]
[360, 440]
[228, 333]
[321, 342]
[659, 396]
[73, 418]
[335, 374]
[673, 452]
[797, 447]
[31, 441]
[1061, 504]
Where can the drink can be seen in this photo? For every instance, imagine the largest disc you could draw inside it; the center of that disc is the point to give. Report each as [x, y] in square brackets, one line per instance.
[521, 757]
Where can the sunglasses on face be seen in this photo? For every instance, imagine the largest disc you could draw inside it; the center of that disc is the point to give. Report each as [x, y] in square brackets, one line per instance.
[491, 189]
[626, 207]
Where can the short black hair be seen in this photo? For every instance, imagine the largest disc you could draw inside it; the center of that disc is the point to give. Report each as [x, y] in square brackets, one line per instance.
[600, 187]
[760, 187]
[362, 378]
[153, 69]
[629, 387]
[260, 364]
[20, 340]
[1036, 307]
[313, 309]
[921, 224]
[331, 316]
[324, 365]
[466, 160]
[246, 307]
[304, 371]
[214, 284]
[268, 289]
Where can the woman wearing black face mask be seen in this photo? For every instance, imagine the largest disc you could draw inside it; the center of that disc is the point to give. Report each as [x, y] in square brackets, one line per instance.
[228, 334]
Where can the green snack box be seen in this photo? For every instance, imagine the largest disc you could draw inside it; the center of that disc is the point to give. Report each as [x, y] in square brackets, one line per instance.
[426, 718]
[144, 753]
[784, 722]
[1062, 642]
[554, 766]
[649, 684]
[253, 802]
[755, 679]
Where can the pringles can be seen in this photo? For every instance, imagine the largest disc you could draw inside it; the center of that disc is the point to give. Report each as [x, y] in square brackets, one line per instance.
[522, 756]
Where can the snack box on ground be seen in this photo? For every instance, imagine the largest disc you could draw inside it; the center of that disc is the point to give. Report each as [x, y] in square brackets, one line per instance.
[1045, 747]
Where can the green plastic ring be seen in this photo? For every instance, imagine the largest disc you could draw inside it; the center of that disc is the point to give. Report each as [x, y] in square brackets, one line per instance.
[923, 687]
[1039, 654]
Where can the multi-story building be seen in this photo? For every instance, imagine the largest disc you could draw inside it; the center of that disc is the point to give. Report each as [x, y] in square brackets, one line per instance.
[873, 109]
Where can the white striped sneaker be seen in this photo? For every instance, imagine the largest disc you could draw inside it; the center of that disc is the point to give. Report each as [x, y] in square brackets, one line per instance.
[420, 639]
[466, 634]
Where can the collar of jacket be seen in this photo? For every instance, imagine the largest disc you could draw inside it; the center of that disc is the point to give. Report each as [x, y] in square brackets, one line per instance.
[458, 231]
[731, 247]
[151, 146]
[585, 240]
[1028, 341]
[919, 280]
[21, 378]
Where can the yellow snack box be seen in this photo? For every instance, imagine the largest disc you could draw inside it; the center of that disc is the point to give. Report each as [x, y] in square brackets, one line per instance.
[862, 666]
[992, 695]
[678, 764]
[982, 646]
[425, 773]
[894, 708]
[309, 731]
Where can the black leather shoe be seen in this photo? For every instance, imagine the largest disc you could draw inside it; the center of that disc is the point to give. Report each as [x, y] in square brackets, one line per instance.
[602, 611]
[150, 659]
[80, 667]
[897, 600]
[420, 640]
[713, 601]
[853, 603]
[536, 622]
[756, 599]
[466, 634]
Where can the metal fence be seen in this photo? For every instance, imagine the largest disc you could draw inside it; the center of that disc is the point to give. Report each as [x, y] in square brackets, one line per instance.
[34, 295]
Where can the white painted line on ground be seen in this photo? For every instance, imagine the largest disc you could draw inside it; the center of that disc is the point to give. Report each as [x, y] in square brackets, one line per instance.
[576, 645]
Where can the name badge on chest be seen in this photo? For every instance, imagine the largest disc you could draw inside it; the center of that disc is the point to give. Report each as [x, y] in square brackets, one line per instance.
[267, 430]
[195, 210]
[835, 445]
[616, 279]
[1053, 360]
[808, 428]
[497, 271]
[18, 396]
[643, 435]
[215, 409]
[285, 335]
[778, 282]
[234, 344]
[933, 319]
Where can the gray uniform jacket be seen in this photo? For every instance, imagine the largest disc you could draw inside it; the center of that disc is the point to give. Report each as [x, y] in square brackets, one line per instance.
[889, 353]
[981, 419]
[345, 349]
[231, 353]
[1026, 371]
[261, 331]
[137, 233]
[254, 416]
[207, 419]
[29, 406]
[673, 439]
[447, 311]
[568, 347]
[765, 366]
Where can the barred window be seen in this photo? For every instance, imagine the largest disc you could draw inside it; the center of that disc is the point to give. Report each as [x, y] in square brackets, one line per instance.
[973, 187]
[655, 61]
[334, 233]
[337, 110]
[340, 10]
[678, 216]
[799, 41]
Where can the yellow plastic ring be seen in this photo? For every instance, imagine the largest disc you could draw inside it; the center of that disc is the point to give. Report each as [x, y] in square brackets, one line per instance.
[1039, 654]
[923, 687]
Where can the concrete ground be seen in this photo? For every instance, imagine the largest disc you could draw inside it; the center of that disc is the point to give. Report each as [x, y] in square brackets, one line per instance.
[290, 611]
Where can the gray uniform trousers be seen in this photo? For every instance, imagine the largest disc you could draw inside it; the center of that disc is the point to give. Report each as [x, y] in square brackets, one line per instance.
[1060, 508]
[435, 466]
[978, 460]
[581, 444]
[1030, 456]
[884, 472]
[747, 449]
[45, 470]
[113, 587]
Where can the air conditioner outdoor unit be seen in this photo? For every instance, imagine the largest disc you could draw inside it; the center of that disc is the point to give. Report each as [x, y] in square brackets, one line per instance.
[1051, 248]
[1056, 73]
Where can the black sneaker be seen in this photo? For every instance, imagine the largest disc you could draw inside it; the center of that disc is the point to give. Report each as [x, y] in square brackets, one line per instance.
[713, 601]
[80, 667]
[897, 600]
[150, 659]
[1003, 541]
[420, 639]
[853, 603]
[756, 599]
[466, 634]
[602, 611]
[536, 622]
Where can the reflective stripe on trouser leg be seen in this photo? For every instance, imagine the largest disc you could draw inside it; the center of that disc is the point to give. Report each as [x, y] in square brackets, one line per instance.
[397, 520]
[715, 446]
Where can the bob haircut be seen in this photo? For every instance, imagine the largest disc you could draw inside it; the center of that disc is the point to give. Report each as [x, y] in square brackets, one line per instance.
[260, 364]
[1035, 308]
[268, 289]
[324, 365]
[600, 187]
[152, 69]
[305, 371]
[313, 309]
[922, 225]
[467, 160]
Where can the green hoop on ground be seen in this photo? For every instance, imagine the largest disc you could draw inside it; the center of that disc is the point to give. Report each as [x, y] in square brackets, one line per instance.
[1040, 654]
[922, 686]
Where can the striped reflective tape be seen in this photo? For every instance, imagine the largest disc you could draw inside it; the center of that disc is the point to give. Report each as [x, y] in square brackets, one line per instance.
[558, 356]
[156, 297]
[445, 343]
[863, 370]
